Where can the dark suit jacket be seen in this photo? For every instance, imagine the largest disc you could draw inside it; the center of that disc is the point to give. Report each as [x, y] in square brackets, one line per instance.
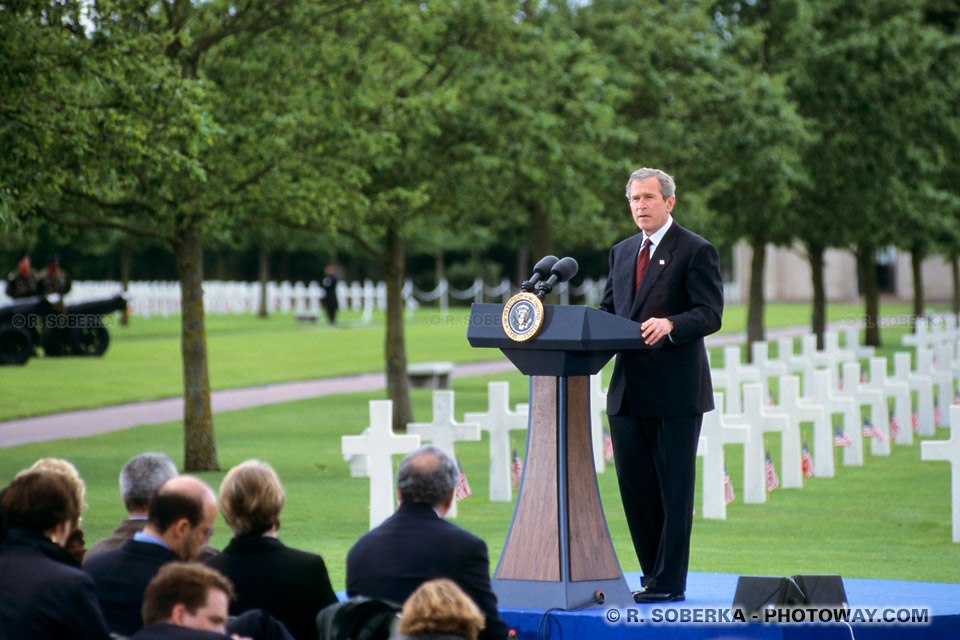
[165, 631]
[43, 592]
[121, 577]
[682, 283]
[415, 545]
[125, 531]
[289, 584]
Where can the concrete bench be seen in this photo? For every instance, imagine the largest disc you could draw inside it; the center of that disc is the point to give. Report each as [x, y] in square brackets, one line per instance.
[430, 375]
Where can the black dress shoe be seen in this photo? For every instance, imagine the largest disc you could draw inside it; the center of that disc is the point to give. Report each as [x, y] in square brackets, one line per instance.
[657, 596]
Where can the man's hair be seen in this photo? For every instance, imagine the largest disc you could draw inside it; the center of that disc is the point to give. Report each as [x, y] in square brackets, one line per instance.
[251, 498]
[187, 583]
[142, 476]
[169, 505]
[667, 186]
[440, 607]
[39, 501]
[427, 475]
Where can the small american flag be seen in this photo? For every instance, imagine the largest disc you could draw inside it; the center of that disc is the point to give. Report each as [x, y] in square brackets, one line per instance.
[806, 462]
[840, 438]
[915, 422]
[870, 431]
[463, 487]
[772, 480]
[937, 415]
[607, 446]
[728, 495]
[517, 468]
[863, 377]
[894, 425]
[770, 402]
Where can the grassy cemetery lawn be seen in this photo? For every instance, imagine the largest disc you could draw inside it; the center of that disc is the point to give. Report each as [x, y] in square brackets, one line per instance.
[143, 361]
[887, 519]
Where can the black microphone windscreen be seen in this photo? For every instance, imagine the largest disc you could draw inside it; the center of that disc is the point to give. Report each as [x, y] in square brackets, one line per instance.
[545, 265]
[565, 268]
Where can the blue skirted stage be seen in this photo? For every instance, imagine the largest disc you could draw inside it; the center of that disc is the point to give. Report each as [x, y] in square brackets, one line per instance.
[879, 610]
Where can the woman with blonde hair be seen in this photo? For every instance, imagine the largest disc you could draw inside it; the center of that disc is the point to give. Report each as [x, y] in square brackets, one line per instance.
[75, 544]
[440, 610]
[289, 584]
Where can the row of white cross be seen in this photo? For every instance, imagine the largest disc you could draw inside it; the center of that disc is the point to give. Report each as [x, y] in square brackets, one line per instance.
[832, 386]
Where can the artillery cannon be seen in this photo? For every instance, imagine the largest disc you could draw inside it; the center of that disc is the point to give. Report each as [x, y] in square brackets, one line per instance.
[76, 330]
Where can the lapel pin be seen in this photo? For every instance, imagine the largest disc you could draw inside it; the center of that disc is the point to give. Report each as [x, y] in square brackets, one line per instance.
[663, 262]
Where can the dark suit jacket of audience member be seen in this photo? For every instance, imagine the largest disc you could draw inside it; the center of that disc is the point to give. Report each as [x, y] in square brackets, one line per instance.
[125, 531]
[165, 631]
[289, 584]
[415, 545]
[121, 577]
[43, 592]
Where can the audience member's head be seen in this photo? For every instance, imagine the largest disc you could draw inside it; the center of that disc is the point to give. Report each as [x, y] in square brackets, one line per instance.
[188, 595]
[440, 607]
[42, 502]
[427, 475]
[251, 498]
[182, 514]
[141, 477]
[69, 472]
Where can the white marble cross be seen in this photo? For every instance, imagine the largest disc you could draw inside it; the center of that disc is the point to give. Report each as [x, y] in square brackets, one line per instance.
[499, 421]
[944, 364]
[872, 398]
[821, 393]
[379, 444]
[598, 409]
[714, 433]
[948, 450]
[766, 368]
[852, 341]
[831, 345]
[444, 430]
[794, 363]
[942, 382]
[899, 391]
[922, 383]
[797, 411]
[758, 419]
[731, 376]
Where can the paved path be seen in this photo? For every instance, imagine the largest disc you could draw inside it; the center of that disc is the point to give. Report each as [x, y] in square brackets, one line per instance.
[76, 424]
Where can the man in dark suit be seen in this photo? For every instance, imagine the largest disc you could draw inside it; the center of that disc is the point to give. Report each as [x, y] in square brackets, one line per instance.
[180, 522]
[667, 279]
[416, 544]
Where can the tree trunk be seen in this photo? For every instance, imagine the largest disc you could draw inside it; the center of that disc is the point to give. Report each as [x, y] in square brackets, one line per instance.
[755, 302]
[523, 264]
[819, 320]
[916, 262]
[539, 231]
[955, 270]
[867, 264]
[264, 274]
[398, 388]
[126, 268]
[199, 443]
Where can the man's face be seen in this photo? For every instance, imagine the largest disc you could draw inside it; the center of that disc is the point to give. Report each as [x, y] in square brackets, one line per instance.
[212, 616]
[650, 211]
[196, 537]
[23, 266]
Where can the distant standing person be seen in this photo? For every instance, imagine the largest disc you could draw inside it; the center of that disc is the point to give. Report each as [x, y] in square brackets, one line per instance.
[329, 284]
[22, 283]
[52, 279]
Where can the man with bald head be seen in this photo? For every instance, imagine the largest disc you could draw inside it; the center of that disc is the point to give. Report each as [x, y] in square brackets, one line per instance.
[416, 544]
[179, 523]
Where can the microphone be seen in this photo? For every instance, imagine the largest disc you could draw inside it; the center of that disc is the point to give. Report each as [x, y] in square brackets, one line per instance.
[565, 269]
[540, 271]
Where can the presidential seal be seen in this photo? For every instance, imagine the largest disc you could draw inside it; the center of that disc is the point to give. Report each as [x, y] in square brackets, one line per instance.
[522, 316]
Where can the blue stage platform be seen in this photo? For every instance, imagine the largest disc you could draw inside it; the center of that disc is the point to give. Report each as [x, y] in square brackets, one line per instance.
[709, 600]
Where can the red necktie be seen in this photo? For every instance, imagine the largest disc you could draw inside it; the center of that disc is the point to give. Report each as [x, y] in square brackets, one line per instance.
[643, 259]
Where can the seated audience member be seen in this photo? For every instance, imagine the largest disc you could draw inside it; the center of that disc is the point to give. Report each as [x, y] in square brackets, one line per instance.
[181, 518]
[75, 543]
[416, 544]
[185, 602]
[139, 480]
[289, 584]
[440, 610]
[43, 592]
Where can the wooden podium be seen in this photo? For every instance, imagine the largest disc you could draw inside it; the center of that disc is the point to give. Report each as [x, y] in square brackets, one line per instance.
[558, 552]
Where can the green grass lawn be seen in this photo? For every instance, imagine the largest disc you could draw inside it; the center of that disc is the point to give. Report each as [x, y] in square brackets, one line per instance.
[143, 361]
[887, 519]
